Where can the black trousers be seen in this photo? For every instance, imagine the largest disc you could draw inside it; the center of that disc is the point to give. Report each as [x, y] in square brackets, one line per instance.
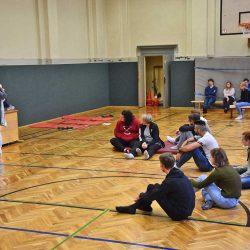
[120, 144]
[151, 148]
[165, 203]
[227, 103]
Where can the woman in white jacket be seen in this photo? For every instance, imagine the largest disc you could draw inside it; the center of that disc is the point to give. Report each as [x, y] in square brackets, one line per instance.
[229, 98]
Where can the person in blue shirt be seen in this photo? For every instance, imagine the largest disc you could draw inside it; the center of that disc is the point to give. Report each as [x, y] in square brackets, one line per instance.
[210, 95]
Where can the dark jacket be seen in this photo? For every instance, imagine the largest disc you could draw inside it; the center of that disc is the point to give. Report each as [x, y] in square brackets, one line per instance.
[244, 96]
[178, 192]
[154, 132]
[211, 92]
[3, 96]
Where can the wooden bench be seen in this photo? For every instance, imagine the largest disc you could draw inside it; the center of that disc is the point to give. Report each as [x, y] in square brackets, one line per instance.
[10, 133]
[233, 107]
[201, 102]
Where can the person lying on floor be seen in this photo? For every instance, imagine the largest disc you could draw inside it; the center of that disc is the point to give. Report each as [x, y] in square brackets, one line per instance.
[149, 139]
[222, 188]
[199, 149]
[126, 133]
[244, 171]
[175, 194]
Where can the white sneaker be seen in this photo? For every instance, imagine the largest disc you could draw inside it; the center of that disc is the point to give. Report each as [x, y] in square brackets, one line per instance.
[174, 147]
[240, 117]
[146, 155]
[138, 151]
[129, 156]
[171, 139]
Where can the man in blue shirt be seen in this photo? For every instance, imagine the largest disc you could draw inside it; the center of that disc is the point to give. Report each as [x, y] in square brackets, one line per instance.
[210, 95]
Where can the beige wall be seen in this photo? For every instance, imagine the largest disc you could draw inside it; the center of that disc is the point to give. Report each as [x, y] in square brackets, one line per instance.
[82, 30]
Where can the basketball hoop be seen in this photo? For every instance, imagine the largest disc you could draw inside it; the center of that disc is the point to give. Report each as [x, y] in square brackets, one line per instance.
[245, 27]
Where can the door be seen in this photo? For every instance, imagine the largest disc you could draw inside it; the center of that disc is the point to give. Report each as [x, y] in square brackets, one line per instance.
[141, 82]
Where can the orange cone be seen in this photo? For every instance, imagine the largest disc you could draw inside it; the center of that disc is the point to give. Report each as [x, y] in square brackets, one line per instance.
[149, 98]
[156, 101]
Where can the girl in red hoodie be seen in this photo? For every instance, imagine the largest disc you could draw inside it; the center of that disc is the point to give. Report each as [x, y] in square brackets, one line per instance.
[126, 133]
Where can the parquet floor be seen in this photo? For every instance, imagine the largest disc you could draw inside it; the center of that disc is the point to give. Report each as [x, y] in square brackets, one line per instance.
[58, 181]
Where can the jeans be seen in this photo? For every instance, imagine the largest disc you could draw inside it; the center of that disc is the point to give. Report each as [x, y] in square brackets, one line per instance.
[245, 181]
[199, 158]
[213, 193]
[183, 137]
[209, 100]
[240, 104]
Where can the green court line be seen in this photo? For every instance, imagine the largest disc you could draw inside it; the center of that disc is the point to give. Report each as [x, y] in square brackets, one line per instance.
[113, 210]
[80, 229]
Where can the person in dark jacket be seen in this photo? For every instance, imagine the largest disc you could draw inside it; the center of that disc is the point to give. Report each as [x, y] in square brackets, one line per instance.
[126, 133]
[210, 95]
[149, 139]
[244, 100]
[175, 194]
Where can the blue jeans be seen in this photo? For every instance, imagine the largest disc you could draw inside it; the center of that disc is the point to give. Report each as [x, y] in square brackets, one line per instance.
[240, 104]
[245, 181]
[199, 158]
[213, 193]
[209, 100]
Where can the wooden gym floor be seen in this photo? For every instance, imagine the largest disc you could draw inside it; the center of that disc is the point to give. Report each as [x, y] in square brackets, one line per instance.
[59, 182]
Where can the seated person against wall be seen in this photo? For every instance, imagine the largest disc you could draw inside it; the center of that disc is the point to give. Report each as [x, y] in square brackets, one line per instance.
[198, 149]
[175, 194]
[247, 83]
[229, 98]
[126, 133]
[6, 104]
[149, 139]
[244, 171]
[222, 188]
[210, 95]
[243, 101]
[185, 131]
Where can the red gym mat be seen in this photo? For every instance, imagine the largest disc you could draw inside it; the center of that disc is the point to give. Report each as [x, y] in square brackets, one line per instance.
[81, 122]
[56, 121]
[167, 148]
[43, 125]
[87, 118]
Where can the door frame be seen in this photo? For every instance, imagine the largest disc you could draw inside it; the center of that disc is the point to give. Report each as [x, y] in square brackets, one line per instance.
[167, 52]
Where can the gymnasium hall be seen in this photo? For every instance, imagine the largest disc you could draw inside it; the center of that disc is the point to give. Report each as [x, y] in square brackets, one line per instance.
[72, 72]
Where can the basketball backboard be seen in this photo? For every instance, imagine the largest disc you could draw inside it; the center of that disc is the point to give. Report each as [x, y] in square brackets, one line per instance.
[232, 13]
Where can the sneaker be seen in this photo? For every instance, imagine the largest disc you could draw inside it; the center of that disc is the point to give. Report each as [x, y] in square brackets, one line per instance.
[207, 205]
[171, 139]
[127, 150]
[148, 209]
[146, 155]
[138, 151]
[126, 210]
[225, 110]
[129, 156]
[240, 117]
[174, 147]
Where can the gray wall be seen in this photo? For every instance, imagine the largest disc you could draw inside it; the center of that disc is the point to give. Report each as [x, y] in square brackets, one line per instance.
[123, 84]
[182, 84]
[43, 92]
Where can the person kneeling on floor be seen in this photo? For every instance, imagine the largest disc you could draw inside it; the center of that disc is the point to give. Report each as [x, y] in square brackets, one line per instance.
[175, 194]
[222, 187]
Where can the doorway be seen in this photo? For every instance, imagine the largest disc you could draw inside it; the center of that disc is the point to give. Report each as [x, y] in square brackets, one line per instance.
[155, 78]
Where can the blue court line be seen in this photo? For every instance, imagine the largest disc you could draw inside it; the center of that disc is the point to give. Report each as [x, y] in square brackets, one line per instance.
[85, 238]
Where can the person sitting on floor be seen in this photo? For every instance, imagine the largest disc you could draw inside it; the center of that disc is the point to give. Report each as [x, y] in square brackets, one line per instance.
[199, 149]
[149, 139]
[222, 187]
[244, 171]
[175, 194]
[185, 131]
[126, 133]
[229, 98]
[210, 95]
[243, 101]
